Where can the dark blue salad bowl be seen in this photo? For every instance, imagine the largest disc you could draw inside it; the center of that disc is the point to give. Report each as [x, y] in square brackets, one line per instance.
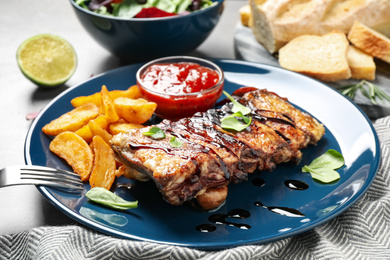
[142, 39]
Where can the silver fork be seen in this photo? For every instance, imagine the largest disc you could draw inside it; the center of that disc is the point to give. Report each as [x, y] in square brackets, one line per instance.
[40, 175]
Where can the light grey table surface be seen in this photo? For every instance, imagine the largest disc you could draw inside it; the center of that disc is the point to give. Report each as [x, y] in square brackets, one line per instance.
[23, 207]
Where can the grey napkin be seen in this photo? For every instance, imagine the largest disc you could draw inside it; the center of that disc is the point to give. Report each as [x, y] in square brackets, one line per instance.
[362, 232]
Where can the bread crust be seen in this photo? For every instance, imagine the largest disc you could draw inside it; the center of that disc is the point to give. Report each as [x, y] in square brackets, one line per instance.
[370, 41]
[276, 22]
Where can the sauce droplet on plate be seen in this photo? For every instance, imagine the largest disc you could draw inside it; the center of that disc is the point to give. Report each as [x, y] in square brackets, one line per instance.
[296, 185]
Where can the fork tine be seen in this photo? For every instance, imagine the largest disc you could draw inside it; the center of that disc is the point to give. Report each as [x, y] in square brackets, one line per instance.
[27, 174]
[58, 178]
[57, 184]
[53, 170]
[40, 175]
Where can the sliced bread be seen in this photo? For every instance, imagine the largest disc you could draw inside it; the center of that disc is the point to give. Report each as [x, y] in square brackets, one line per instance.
[321, 57]
[370, 41]
[361, 64]
[276, 22]
[245, 15]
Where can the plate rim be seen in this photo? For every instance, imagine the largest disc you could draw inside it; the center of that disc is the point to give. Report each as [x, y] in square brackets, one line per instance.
[200, 245]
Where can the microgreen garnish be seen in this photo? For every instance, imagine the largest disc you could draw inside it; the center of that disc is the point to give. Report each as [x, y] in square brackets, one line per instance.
[369, 90]
[174, 142]
[231, 122]
[109, 199]
[236, 121]
[323, 167]
[237, 107]
[155, 133]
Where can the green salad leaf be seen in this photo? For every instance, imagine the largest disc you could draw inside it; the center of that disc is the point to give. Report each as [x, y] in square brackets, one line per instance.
[155, 133]
[126, 9]
[184, 4]
[323, 168]
[176, 143]
[130, 8]
[109, 199]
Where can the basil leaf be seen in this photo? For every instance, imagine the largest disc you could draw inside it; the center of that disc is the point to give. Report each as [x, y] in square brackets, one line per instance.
[174, 142]
[155, 133]
[324, 175]
[232, 123]
[237, 107]
[323, 168]
[109, 199]
[331, 159]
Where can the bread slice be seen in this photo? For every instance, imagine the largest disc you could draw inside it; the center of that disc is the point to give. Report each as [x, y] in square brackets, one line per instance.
[245, 15]
[361, 64]
[276, 22]
[321, 57]
[370, 41]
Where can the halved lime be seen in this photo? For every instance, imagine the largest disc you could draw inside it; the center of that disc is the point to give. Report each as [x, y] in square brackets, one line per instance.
[47, 60]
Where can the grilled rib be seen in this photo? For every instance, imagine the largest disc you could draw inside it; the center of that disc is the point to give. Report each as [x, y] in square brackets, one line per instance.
[212, 157]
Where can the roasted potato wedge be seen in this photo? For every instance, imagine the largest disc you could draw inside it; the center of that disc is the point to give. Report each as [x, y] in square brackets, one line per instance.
[108, 108]
[75, 151]
[119, 127]
[81, 100]
[73, 120]
[98, 130]
[85, 131]
[132, 92]
[104, 164]
[136, 111]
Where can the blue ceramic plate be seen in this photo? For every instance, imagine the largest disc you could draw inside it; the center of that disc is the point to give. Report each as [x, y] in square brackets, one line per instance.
[348, 130]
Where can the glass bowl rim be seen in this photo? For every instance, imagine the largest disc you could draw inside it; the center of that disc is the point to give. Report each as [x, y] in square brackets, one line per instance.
[181, 59]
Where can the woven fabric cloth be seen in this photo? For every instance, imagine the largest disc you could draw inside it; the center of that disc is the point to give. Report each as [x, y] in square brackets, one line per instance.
[362, 232]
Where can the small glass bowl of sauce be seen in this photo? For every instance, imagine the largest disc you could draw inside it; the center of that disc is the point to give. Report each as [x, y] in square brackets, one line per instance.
[180, 85]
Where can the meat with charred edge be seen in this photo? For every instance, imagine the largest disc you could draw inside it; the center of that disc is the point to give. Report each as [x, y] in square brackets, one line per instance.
[212, 157]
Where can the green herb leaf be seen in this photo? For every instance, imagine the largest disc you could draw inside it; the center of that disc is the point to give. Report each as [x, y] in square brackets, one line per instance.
[323, 175]
[174, 142]
[369, 90]
[237, 107]
[155, 133]
[109, 199]
[232, 123]
[323, 168]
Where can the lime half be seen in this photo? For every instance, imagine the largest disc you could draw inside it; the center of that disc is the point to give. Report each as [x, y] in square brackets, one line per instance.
[47, 60]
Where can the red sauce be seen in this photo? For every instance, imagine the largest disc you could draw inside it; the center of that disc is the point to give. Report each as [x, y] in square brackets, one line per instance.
[177, 85]
[179, 78]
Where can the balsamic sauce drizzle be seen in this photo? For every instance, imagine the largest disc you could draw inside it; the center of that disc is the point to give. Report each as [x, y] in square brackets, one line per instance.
[296, 185]
[285, 211]
[258, 182]
[221, 219]
[235, 213]
[202, 126]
